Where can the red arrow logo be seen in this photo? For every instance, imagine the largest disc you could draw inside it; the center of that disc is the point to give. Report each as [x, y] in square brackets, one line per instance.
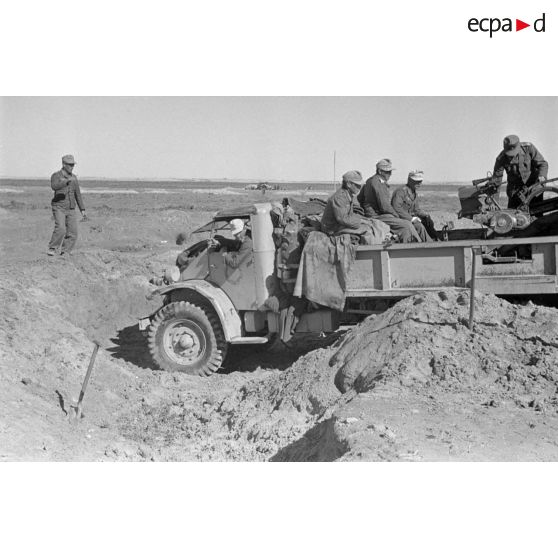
[519, 25]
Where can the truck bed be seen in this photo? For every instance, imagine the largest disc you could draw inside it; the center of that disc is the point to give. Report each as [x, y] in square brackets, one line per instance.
[401, 270]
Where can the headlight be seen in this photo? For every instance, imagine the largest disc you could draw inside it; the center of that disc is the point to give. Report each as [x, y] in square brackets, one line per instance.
[172, 275]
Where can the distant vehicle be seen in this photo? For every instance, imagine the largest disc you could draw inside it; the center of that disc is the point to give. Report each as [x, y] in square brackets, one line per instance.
[263, 186]
[267, 186]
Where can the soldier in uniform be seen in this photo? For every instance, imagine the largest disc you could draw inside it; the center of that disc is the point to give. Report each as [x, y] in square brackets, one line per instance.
[524, 166]
[66, 196]
[338, 217]
[237, 247]
[375, 199]
[405, 202]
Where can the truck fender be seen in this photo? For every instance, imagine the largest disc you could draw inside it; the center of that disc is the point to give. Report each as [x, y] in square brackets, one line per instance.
[220, 302]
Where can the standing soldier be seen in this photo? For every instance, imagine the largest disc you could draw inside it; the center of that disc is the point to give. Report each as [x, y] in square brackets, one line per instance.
[375, 199]
[405, 203]
[524, 166]
[66, 195]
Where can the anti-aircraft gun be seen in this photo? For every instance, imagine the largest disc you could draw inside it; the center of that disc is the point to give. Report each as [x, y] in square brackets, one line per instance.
[480, 202]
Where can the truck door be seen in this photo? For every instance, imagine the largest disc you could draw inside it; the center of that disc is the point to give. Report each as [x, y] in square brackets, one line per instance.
[238, 283]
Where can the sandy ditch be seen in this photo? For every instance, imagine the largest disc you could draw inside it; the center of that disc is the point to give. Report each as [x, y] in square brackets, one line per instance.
[353, 397]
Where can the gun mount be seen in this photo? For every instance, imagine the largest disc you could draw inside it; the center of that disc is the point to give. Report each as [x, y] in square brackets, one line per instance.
[480, 202]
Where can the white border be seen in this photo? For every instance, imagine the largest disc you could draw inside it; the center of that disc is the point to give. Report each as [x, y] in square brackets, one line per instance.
[271, 48]
[258, 47]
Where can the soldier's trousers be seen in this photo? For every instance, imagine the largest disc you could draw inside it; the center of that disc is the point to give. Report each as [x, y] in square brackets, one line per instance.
[401, 227]
[65, 229]
[421, 231]
[428, 232]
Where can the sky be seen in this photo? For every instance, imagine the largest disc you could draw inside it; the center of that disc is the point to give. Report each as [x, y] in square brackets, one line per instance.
[269, 138]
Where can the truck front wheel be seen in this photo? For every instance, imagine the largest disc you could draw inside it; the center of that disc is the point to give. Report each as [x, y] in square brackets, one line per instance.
[183, 337]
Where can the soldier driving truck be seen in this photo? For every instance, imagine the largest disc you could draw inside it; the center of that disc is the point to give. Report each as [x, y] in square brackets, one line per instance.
[209, 306]
[238, 248]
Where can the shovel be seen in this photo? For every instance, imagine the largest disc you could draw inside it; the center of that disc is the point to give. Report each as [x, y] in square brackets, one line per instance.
[75, 410]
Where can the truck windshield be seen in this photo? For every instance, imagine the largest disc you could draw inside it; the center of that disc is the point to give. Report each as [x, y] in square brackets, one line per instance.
[212, 225]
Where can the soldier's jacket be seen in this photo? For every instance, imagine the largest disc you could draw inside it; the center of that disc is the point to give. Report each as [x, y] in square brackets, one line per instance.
[66, 190]
[375, 197]
[237, 250]
[338, 213]
[522, 170]
[405, 203]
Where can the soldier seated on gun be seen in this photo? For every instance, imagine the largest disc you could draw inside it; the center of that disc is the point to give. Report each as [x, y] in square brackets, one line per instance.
[237, 247]
[405, 202]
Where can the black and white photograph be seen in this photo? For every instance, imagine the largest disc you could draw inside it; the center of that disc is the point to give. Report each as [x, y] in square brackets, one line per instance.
[287, 289]
[278, 278]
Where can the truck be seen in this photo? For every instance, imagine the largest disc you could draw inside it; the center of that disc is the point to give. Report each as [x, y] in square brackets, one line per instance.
[208, 307]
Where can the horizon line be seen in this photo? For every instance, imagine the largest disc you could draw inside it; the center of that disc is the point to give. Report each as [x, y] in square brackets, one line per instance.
[171, 179]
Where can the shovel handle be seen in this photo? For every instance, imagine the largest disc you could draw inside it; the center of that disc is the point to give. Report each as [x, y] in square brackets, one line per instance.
[88, 374]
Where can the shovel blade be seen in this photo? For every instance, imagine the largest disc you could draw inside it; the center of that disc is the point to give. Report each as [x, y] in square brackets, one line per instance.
[75, 414]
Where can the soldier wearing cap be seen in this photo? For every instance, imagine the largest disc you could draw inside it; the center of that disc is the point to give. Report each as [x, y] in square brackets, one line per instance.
[237, 247]
[405, 203]
[524, 166]
[66, 196]
[338, 217]
[375, 199]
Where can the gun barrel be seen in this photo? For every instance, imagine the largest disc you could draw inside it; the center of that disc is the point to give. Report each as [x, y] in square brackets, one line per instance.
[478, 181]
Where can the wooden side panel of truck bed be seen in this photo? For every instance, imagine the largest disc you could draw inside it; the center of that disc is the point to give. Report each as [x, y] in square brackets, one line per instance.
[402, 269]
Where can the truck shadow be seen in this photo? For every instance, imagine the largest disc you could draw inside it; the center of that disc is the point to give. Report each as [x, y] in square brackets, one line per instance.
[279, 356]
[130, 345]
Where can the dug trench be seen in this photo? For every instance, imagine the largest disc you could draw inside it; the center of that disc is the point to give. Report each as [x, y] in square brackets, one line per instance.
[414, 383]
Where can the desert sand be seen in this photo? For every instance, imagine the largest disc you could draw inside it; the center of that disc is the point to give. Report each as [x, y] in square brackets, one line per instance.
[411, 384]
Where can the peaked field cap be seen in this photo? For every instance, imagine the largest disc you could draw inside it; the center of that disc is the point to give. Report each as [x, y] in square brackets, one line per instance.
[353, 176]
[384, 164]
[236, 225]
[511, 144]
[416, 175]
[68, 160]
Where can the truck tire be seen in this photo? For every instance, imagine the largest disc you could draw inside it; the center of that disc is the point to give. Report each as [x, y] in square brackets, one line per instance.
[185, 338]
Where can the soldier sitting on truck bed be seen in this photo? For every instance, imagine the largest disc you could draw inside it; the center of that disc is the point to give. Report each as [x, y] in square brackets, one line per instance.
[405, 202]
[237, 247]
[375, 199]
[338, 217]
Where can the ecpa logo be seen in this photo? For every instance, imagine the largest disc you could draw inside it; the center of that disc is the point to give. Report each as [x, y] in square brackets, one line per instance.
[493, 25]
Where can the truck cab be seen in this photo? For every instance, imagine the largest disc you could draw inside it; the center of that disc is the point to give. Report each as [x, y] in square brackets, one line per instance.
[208, 304]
